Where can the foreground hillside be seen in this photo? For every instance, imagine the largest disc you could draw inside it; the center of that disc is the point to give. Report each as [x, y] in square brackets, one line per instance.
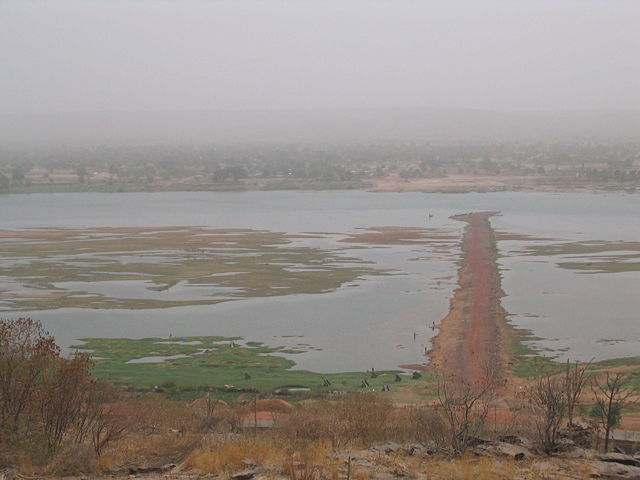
[361, 436]
[57, 419]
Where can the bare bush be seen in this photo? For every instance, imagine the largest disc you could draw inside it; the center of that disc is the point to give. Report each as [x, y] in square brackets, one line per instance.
[431, 429]
[549, 404]
[367, 415]
[316, 422]
[575, 378]
[464, 406]
[213, 413]
[65, 396]
[102, 420]
[360, 418]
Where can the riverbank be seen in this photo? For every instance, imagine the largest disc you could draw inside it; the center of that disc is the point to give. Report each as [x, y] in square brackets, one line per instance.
[462, 183]
[498, 183]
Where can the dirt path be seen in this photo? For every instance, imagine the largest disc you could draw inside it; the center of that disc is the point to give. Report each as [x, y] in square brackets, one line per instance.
[471, 336]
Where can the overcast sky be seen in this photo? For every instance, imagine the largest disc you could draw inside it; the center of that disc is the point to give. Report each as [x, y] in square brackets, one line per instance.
[58, 55]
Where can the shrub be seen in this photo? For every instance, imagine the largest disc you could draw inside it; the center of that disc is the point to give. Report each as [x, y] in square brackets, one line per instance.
[549, 404]
[361, 418]
[463, 407]
[26, 354]
[48, 401]
[612, 395]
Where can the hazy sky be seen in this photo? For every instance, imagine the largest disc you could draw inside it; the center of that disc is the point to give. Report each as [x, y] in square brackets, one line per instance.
[58, 55]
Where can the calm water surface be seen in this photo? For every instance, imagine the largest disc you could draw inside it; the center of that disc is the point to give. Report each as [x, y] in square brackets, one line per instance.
[371, 322]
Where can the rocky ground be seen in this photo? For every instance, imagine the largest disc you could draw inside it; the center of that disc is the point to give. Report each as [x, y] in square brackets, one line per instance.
[513, 458]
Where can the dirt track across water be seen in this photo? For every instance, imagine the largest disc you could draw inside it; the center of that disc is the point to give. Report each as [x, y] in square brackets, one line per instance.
[471, 336]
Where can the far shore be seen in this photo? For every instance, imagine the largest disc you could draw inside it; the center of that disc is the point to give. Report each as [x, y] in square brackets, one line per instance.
[392, 183]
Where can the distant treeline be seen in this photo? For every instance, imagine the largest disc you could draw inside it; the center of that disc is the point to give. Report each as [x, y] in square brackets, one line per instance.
[327, 162]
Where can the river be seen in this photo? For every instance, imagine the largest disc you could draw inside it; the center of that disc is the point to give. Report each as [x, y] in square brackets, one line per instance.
[370, 322]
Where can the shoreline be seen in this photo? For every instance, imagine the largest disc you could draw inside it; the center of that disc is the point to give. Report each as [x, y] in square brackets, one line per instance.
[392, 184]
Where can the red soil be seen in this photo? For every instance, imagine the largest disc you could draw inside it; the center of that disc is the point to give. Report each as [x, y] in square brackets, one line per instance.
[471, 335]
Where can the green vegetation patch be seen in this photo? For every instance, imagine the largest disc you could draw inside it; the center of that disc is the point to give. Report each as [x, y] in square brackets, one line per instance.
[528, 362]
[135, 268]
[592, 256]
[578, 248]
[630, 365]
[227, 364]
[393, 235]
[618, 265]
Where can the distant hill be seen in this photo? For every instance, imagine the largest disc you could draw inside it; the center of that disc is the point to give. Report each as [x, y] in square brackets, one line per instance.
[305, 126]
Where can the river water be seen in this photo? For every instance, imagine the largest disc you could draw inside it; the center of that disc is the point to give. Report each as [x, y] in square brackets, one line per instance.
[370, 322]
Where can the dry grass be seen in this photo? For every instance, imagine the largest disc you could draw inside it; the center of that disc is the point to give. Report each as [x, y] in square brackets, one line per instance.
[73, 460]
[224, 455]
[358, 420]
[469, 467]
[219, 455]
[144, 449]
[311, 443]
[158, 414]
[310, 463]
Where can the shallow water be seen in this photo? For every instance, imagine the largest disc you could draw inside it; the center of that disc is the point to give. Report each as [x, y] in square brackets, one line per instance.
[143, 289]
[370, 323]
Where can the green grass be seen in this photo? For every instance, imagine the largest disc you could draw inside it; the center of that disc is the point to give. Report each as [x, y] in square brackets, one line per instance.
[527, 362]
[582, 248]
[250, 366]
[592, 256]
[247, 263]
[600, 266]
[634, 371]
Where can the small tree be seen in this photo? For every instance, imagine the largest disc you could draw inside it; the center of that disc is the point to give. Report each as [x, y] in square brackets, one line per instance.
[108, 428]
[464, 406]
[26, 353]
[64, 396]
[575, 378]
[46, 396]
[549, 403]
[612, 395]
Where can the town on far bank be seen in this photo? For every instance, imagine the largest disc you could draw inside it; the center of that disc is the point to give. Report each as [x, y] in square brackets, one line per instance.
[453, 166]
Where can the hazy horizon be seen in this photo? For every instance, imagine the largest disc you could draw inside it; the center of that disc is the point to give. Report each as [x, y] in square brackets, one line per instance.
[317, 71]
[314, 126]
